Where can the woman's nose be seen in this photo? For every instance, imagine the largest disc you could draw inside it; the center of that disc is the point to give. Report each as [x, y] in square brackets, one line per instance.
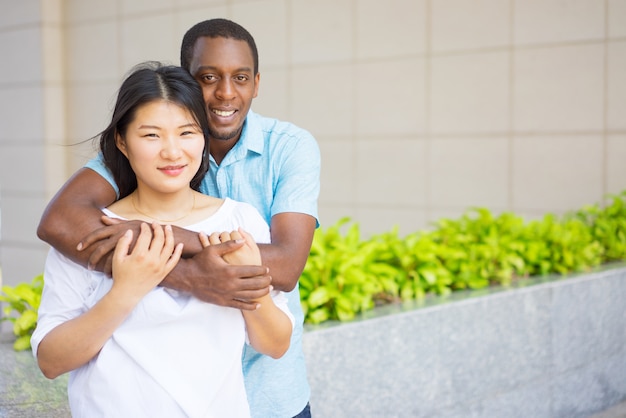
[171, 149]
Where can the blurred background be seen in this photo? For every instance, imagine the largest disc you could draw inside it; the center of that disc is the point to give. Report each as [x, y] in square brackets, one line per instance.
[422, 108]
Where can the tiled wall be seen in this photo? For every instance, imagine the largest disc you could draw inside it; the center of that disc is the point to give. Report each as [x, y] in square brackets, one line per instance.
[422, 108]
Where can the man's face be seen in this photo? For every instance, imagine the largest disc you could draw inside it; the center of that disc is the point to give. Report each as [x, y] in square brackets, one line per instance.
[224, 68]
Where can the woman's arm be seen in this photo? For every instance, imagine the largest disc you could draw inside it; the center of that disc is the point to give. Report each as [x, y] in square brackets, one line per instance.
[269, 328]
[75, 342]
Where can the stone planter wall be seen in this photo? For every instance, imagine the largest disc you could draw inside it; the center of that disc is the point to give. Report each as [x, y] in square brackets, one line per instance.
[550, 348]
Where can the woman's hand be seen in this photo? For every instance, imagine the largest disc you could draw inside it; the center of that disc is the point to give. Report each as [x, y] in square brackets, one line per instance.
[153, 256]
[248, 254]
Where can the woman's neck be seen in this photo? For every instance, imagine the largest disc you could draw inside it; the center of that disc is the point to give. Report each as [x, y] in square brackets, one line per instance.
[165, 208]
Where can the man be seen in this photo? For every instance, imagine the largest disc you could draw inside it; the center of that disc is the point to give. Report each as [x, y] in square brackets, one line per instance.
[271, 164]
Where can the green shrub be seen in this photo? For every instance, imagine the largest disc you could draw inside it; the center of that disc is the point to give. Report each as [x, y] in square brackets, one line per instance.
[345, 275]
[24, 300]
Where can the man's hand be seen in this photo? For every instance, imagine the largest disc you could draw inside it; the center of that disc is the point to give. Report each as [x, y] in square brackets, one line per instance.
[210, 278]
[102, 242]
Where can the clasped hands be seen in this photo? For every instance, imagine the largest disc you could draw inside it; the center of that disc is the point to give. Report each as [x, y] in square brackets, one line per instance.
[224, 269]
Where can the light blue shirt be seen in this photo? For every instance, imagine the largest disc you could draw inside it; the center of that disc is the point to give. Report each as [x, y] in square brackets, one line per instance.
[275, 166]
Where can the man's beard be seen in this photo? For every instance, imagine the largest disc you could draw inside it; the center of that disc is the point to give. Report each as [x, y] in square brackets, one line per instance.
[224, 136]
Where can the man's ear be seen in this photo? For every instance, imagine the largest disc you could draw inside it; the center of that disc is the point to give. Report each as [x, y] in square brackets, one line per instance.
[121, 144]
[257, 80]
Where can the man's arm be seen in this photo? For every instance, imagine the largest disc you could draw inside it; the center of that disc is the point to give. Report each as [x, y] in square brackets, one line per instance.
[74, 212]
[292, 234]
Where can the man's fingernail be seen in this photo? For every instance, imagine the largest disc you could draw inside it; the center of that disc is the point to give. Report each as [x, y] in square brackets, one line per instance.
[79, 246]
[89, 267]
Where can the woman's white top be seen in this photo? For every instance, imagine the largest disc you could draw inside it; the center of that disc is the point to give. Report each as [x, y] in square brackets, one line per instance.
[174, 356]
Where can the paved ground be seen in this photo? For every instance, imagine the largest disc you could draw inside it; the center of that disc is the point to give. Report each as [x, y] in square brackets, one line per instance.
[617, 411]
[25, 393]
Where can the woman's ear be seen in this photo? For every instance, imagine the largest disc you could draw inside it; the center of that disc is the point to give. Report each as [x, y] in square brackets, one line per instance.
[121, 144]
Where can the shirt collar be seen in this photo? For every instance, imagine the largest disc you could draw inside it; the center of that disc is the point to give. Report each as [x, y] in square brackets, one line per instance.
[251, 139]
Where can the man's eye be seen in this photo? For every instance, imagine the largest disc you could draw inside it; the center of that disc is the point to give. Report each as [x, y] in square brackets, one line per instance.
[241, 78]
[208, 78]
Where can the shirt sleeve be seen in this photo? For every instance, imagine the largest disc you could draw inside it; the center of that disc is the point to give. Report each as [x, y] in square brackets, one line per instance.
[66, 287]
[298, 186]
[97, 165]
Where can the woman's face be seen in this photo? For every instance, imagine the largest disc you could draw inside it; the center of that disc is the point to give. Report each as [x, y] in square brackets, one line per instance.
[164, 146]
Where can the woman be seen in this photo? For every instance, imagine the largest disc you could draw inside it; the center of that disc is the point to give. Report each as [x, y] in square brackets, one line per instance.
[133, 348]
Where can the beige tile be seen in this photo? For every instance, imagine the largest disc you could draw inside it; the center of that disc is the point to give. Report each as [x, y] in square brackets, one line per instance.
[24, 165]
[134, 7]
[56, 169]
[397, 29]
[557, 173]
[150, 38]
[89, 108]
[52, 12]
[53, 49]
[186, 17]
[615, 167]
[20, 217]
[184, 4]
[79, 153]
[321, 99]
[379, 220]
[470, 93]
[461, 24]
[391, 172]
[273, 97]
[559, 89]
[267, 21]
[54, 114]
[329, 214]
[616, 86]
[78, 11]
[89, 44]
[18, 13]
[391, 97]
[321, 31]
[547, 21]
[338, 171]
[21, 115]
[21, 263]
[466, 172]
[617, 18]
[436, 214]
[23, 48]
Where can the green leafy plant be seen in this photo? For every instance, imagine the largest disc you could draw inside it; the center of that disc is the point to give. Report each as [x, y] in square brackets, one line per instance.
[24, 300]
[345, 275]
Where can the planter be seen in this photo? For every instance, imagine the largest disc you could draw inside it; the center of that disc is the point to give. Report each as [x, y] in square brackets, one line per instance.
[552, 347]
